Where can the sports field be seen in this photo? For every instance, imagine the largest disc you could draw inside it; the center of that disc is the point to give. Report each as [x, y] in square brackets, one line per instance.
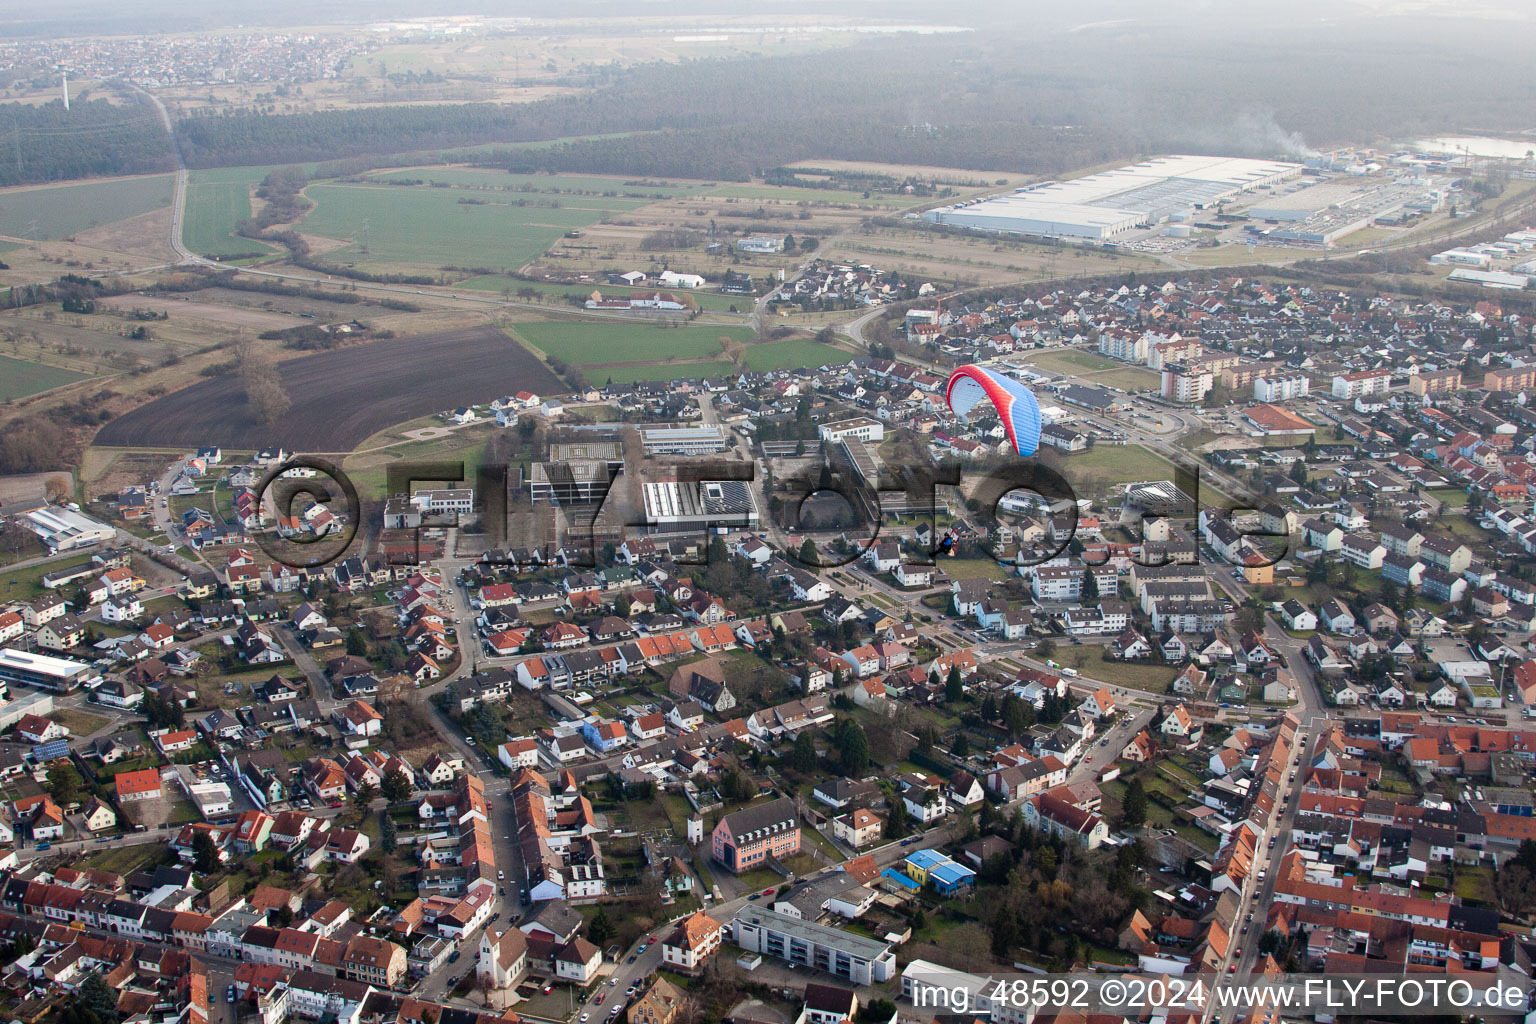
[1070, 361]
[444, 226]
[1126, 378]
[19, 378]
[601, 344]
[59, 211]
[1094, 471]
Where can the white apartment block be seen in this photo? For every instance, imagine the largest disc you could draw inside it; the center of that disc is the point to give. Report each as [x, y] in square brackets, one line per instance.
[1365, 382]
[1281, 388]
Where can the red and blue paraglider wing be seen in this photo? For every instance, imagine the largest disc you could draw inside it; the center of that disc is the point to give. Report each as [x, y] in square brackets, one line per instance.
[1015, 404]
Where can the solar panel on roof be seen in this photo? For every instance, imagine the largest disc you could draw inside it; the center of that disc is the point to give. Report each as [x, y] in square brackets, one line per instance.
[50, 750]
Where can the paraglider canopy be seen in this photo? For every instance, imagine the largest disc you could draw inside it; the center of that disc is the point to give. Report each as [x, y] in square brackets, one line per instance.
[1015, 404]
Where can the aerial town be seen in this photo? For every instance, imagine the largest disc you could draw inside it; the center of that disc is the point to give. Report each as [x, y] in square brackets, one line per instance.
[1280, 722]
[802, 516]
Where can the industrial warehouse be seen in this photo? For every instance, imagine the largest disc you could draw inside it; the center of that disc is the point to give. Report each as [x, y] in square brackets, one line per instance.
[1320, 213]
[675, 507]
[1114, 203]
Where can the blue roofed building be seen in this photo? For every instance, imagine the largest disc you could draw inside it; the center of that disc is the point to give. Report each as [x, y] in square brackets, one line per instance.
[946, 876]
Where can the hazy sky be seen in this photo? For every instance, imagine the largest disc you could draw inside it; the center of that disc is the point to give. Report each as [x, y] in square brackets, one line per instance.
[86, 17]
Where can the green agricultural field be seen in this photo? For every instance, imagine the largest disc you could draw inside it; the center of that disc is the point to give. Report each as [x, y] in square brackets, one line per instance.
[555, 184]
[19, 378]
[431, 227]
[63, 210]
[247, 175]
[795, 353]
[214, 208]
[790, 194]
[714, 301]
[599, 345]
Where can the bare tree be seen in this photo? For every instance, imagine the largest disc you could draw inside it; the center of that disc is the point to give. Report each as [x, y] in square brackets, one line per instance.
[1515, 888]
[969, 945]
[264, 389]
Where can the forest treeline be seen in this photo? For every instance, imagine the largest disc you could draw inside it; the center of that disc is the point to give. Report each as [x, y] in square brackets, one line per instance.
[966, 103]
[43, 142]
[1042, 105]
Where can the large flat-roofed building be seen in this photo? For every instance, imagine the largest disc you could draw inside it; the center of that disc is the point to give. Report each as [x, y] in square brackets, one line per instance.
[611, 452]
[1321, 212]
[460, 500]
[62, 675]
[861, 428]
[682, 440]
[63, 529]
[945, 990]
[860, 959]
[1490, 278]
[1113, 203]
[675, 507]
[575, 482]
[1159, 497]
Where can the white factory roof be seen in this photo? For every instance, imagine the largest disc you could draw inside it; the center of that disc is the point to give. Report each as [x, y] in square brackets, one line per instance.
[1490, 278]
[1114, 201]
[47, 664]
[1236, 174]
[56, 521]
[1035, 208]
